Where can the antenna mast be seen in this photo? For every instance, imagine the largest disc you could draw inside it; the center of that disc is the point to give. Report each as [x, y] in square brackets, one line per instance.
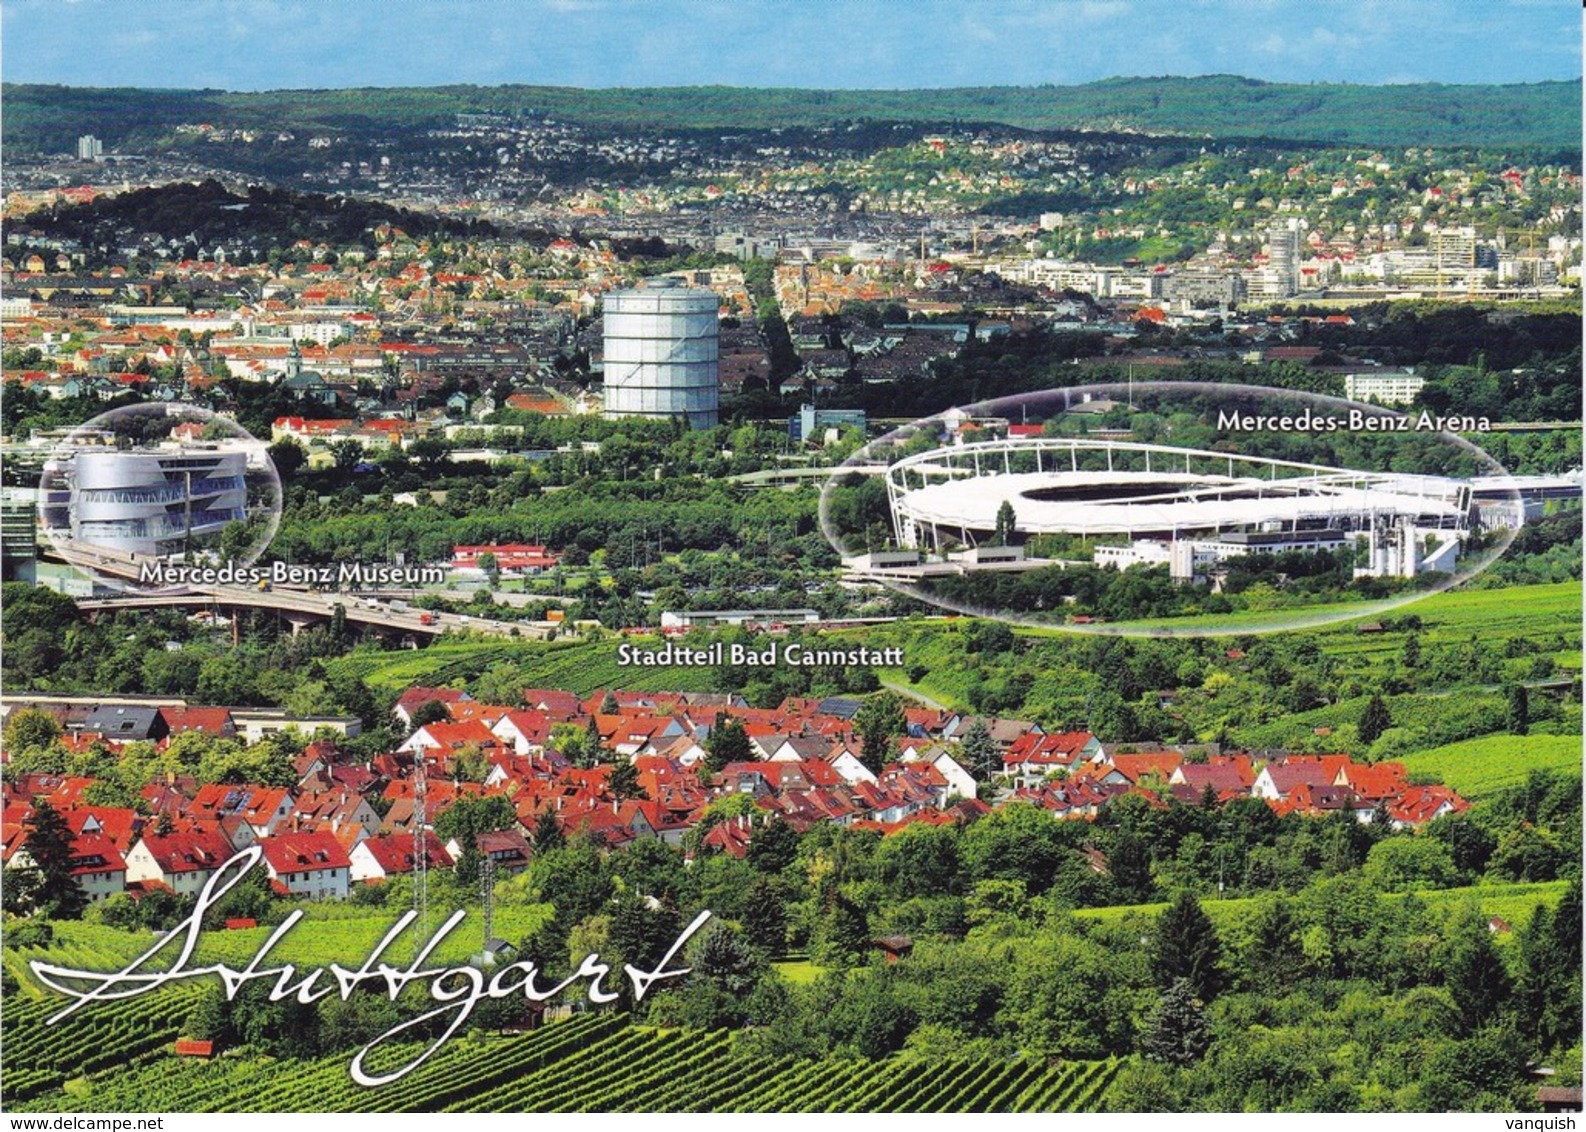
[421, 873]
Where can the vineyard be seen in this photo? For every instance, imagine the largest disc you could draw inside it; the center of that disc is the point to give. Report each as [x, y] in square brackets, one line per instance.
[328, 934]
[588, 1063]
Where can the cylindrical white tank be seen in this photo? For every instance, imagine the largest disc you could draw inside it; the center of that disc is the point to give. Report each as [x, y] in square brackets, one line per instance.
[662, 345]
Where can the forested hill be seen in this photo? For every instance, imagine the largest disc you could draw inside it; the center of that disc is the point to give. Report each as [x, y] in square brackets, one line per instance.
[45, 118]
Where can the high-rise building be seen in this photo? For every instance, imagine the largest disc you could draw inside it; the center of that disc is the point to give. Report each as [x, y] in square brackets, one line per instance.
[662, 346]
[1453, 249]
[90, 148]
[1283, 254]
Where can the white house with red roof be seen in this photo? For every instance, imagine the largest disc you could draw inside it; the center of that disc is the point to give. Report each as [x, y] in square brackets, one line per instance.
[181, 861]
[525, 732]
[389, 855]
[1031, 757]
[99, 867]
[436, 739]
[308, 864]
[1420, 804]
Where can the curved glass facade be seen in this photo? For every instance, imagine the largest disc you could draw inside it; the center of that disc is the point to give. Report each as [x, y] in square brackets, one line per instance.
[153, 503]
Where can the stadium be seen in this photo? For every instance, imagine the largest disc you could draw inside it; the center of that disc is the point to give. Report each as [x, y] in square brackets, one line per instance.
[1182, 507]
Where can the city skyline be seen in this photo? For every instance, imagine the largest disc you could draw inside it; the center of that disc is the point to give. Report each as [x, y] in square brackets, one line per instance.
[841, 44]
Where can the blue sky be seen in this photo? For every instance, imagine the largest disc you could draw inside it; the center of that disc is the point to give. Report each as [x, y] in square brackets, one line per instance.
[273, 44]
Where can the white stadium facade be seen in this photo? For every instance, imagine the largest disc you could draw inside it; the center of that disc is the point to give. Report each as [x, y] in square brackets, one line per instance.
[1184, 508]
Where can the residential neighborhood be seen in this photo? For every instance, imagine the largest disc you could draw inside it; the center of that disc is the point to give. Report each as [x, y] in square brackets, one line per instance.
[343, 823]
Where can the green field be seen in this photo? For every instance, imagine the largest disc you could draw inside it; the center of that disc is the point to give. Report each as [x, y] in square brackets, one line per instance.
[589, 1063]
[1533, 612]
[1477, 767]
[572, 666]
[1508, 611]
[1513, 902]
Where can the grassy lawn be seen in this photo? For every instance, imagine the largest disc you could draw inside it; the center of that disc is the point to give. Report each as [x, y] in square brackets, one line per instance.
[799, 971]
[1476, 767]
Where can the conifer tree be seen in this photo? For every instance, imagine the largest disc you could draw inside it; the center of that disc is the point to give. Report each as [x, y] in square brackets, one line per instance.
[1374, 721]
[57, 896]
[1186, 947]
[1179, 1034]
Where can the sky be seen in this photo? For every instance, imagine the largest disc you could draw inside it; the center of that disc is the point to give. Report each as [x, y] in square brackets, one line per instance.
[896, 44]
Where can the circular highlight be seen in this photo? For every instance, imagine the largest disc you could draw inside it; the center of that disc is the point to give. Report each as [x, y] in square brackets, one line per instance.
[145, 487]
[987, 507]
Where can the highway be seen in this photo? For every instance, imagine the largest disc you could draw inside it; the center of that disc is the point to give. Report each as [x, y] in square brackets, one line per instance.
[306, 603]
[318, 606]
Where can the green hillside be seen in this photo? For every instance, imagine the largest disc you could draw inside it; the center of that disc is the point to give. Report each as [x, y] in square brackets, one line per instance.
[42, 118]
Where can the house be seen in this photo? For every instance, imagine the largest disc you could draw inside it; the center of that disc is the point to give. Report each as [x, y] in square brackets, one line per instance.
[1278, 780]
[1032, 756]
[1222, 775]
[99, 867]
[379, 858]
[894, 947]
[412, 699]
[214, 721]
[181, 861]
[265, 808]
[437, 740]
[307, 864]
[1421, 804]
[525, 732]
[845, 760]
[507, 850]
[938, 756]
[333, 809]
[730, 837]
[126, 723]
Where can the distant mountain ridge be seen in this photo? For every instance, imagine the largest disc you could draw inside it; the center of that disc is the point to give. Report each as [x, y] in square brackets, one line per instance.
[41, 118]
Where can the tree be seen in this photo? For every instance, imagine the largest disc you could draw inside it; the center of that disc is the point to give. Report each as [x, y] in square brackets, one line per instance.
[1186, 947]
[547, 832]
[878, 721]
[56, 895]
[31, 728]
[981, 757]
[842, 935]
[774, 846]
[765, 916]
[1412, 651]
[428, 451]
[1517, 712]
[287, 456]
[501, 683]
[430, 711]
[347, 453]
[1006, 523]
[491, 565]
[1473, 969]
[623, 781]
[1374, 720]
[1179, 1034]
[728, 743]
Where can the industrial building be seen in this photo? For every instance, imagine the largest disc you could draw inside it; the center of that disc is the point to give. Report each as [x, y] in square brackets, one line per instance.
[662, 347]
